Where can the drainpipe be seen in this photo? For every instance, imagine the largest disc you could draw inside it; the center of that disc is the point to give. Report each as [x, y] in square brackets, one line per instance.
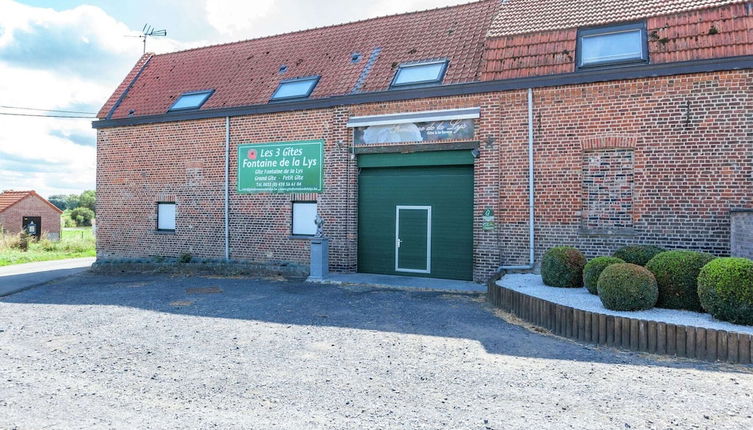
[531, 249]
[227, 191]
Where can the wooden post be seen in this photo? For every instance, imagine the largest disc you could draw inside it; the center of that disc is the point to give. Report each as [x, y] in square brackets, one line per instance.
[661, 338]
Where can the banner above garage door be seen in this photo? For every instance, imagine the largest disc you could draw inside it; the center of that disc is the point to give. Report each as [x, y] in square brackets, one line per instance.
[427, 126]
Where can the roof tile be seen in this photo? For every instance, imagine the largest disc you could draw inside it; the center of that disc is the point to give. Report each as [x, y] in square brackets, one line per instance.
[9, 198]
[245, 73]
[531, 16]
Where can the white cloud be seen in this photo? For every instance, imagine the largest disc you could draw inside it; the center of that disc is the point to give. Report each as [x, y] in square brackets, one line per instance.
[232, 17]
[71, 59]
[243, 19]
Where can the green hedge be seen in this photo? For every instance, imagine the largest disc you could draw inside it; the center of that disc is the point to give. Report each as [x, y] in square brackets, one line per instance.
[563, 267]
[627, 287]
[725, 288]
[637, 254]
[593, 269]
[676, 275]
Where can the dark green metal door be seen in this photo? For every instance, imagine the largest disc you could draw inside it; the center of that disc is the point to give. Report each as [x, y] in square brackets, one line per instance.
[416, 220]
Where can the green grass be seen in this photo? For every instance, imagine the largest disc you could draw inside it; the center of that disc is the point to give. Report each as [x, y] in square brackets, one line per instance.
[75, 243]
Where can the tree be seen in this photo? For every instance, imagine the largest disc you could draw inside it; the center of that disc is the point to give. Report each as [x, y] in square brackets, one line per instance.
[72, 201]
[59, 201]
[82, 216]
[88, 199]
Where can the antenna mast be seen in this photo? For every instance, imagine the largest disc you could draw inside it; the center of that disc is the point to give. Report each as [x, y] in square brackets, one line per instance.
[149, 31]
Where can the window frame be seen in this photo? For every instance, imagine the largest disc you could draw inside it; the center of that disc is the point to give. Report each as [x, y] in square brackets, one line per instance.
[293, 234]
[207, 94]
[445, 64]
[314, 78]
[610, 29]
[175, 219]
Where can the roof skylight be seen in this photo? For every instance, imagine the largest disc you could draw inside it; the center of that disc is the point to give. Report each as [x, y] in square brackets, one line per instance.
[295, 88]
[191, 100]
[429, 72]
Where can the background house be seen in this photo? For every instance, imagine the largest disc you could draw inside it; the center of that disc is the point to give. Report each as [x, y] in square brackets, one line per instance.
[18, 209]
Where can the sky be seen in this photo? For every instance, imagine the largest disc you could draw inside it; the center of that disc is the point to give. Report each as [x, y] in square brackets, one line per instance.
[70, 55]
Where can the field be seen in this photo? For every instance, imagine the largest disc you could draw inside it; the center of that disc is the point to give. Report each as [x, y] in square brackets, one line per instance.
[75, 243]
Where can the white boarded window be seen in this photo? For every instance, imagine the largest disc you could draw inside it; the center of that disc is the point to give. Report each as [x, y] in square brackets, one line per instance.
[304, 214]
[166, 216]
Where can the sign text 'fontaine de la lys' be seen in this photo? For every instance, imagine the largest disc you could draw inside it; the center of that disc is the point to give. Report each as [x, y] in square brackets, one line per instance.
[286, 167]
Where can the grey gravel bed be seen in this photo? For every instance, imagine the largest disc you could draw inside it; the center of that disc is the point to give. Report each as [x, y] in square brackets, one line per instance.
[580, 298]
[141, 352]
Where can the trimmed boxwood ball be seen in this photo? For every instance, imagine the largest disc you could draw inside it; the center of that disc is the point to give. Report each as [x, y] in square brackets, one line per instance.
[725, 288]
[627, 287]
[637, 254]
[593, 269]
[562, 266]
[676, 275]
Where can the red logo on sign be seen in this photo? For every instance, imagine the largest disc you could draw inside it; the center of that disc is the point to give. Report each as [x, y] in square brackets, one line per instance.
[251, 154]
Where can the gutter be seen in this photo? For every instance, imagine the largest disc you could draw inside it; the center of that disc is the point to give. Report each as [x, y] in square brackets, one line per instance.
[227, 188]
[531, 242]
[573, 78]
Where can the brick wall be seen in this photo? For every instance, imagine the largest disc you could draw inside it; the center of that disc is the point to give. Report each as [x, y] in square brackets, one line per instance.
[11, 219]
[742, 233]
[693, 160]
[689, 137]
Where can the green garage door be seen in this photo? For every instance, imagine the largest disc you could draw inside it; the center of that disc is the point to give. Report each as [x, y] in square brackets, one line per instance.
[416, 221]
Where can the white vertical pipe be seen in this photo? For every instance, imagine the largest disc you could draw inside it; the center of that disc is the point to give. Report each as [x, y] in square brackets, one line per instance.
[531, 242]
[227, 187]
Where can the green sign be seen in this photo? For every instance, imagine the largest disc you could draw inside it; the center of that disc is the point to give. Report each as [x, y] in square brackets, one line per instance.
[488, 219]
[288, 167]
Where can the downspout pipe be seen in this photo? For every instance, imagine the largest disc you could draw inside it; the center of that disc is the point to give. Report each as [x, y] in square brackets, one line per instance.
[531, 248]
[227, 188]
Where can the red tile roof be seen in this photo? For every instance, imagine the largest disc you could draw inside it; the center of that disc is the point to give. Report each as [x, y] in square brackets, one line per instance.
[9, 198]
[680, 36]
[246, 73]
[533, 16]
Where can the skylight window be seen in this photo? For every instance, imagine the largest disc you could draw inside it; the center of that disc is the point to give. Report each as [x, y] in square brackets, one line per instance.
[192, 100]
[613, 45]
[295, 88]
[430, 72]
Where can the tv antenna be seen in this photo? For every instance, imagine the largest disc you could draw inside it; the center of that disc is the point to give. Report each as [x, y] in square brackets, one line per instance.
[149, 31]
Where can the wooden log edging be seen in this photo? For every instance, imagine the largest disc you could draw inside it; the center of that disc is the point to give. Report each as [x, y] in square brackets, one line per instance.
[621, 332]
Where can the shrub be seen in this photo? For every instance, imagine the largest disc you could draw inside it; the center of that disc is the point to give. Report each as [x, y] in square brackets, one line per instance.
[563, 267]
[725, 289]
[82, 216]
[68, 222]
[627, 287]
[676, 275]
[185, 258]
[637, 254]
[594, 268]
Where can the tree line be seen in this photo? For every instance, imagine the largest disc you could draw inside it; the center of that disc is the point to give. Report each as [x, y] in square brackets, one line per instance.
[79, 210]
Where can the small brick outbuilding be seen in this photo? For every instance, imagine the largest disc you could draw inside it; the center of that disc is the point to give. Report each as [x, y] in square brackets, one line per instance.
[20, 208]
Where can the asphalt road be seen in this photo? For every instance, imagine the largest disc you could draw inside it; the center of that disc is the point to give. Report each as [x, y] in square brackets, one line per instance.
[93, 351]
[18, 277]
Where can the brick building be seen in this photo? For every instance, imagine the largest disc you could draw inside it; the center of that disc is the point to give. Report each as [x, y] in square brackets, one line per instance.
[27, 210]
[444, 143]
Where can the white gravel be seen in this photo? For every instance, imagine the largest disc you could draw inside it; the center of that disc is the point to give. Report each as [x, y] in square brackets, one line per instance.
[580, 298]
[138, 352]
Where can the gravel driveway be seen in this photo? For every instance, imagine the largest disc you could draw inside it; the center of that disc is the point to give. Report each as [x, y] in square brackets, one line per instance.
[172, 352]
